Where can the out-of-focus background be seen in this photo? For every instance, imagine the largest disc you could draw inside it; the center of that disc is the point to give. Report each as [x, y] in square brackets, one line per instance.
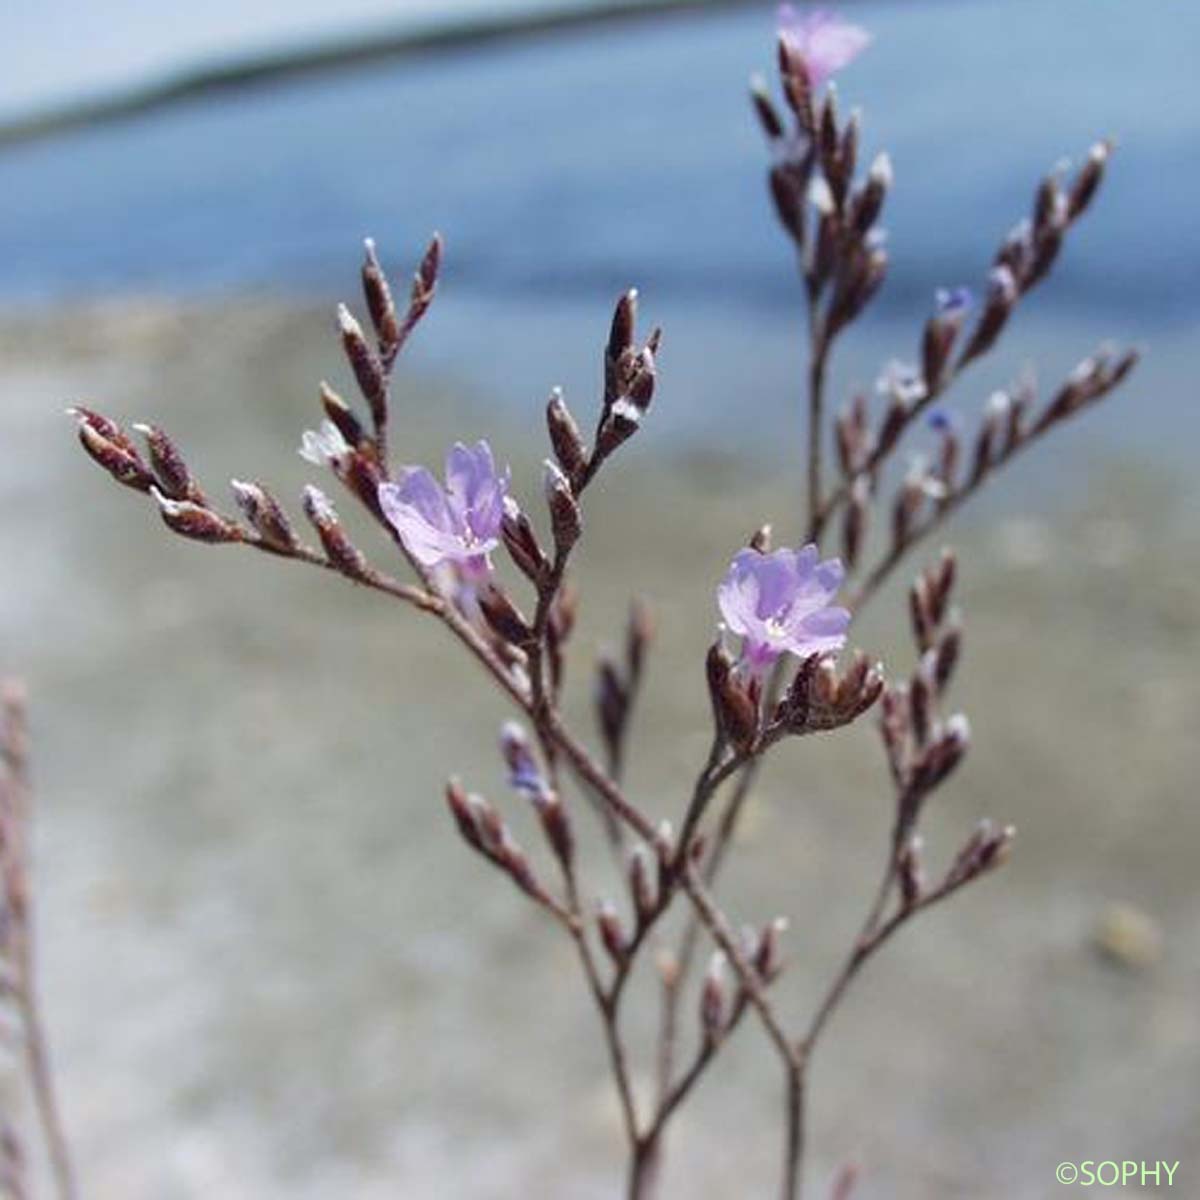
[270, 968]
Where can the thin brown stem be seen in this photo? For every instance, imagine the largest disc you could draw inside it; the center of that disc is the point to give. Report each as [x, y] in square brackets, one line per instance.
[15, 858]
[817, 365]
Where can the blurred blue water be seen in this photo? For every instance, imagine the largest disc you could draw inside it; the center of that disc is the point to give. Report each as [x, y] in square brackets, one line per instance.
[564, 168]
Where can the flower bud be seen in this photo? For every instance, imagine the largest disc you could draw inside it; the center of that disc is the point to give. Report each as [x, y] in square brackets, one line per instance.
[339, 413]
[612, 934]
[265, 515]
[169, 466]
[713, 998]
[364, 362]
[339, 550]
[569, 446]
[565, 518]
[1086, 183]
[502, 615]
[111, 449]
[379, 300]
[734, 710]
[195, 521]
[522, 543]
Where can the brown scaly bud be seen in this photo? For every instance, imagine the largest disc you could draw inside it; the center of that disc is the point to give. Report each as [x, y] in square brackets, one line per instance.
[1016, 251]
[943, 754]
[848, 152]
[642, 886]
[793, 709]
[565, 518]
[713, 999]
[621, 423]
[522, 543]
[894, 421]
[819, 699]
[483, 829]
[639, 633]
[111, 449]
[1049, 206]
[829, 146]
[920, 610]
[503, 616]
[947, 653]
[557, 827]
[942, 583]
[339, 550]
[361, 473]
[825, 683]
[1093, 378]
[569, 446]
[824, 253]
[865, 284]
[265, 515]
[920, 707]
[342, 416]
[768, 960]
[949, 452]
[868, 203]
[612, 704]
[765, 110]
[612, 933]
[788, 183]
[624, 322]
[1001, 299]
[174, 477]
[513, 860]
[986, 848]
[910, 496]
[910, 872]
[424, 285]
[643, 379]
[990, 439]
[941, 332]
[380, 304]
[1086, 183]
[194, 520]
[734, 709]
[854, 527]
[1047, 241]
[464, 815]
[364, 362]
[894, 727]
[797, 85]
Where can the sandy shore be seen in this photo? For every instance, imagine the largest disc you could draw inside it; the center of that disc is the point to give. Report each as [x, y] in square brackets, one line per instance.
[270, 967]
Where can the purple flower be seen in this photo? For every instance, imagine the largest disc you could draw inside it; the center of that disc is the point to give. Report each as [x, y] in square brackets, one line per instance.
[823, 40]
[782, 603]
[953, 302]
[458, 525]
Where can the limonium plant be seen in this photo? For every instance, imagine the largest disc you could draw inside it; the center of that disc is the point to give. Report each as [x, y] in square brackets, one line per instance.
[462, 551]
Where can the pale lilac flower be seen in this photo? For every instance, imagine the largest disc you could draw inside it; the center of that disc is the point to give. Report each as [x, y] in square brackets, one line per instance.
[901, 381]
[953, 302]
[782, 602]
[823, 40]
[326, 447]
[458, 525]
